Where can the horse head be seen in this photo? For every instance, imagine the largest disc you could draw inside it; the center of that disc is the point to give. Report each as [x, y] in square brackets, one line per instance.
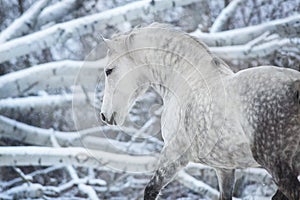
[124, 82]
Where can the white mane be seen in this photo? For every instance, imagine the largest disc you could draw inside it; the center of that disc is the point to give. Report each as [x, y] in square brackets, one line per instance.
[167, 37]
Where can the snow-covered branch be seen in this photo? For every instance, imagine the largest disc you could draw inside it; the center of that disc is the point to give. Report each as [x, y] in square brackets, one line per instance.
[222, 20]
[24, 191]
[92, 138]
[34, 135]
[84, 25]
[86, 189]
[56, 11]
[248, 51]
[287, 27]
[37, 103]
[76, 156]
[23, 24]
[197, 185]
[60, 73]
[258, 175]
[30, 175]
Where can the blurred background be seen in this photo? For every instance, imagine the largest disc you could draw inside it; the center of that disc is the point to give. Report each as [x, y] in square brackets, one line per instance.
[53, 145]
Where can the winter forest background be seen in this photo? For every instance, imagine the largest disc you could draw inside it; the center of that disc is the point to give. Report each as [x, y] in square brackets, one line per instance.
[53, 145]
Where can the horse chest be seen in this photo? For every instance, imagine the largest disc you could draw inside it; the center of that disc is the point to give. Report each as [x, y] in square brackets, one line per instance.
[232, 149]
[219, 141]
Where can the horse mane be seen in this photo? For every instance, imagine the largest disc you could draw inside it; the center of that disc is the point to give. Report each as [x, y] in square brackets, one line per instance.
[219, 63]
[169, 27]
[119, 35]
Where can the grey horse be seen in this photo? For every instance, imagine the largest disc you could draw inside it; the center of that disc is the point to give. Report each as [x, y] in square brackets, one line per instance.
[211, 115]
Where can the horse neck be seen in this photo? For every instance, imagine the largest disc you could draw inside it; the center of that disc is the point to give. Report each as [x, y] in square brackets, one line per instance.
[182, 81]
[181, 77]
[176, 63]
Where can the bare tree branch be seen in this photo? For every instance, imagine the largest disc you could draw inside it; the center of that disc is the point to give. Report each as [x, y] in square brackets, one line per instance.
[23, 24]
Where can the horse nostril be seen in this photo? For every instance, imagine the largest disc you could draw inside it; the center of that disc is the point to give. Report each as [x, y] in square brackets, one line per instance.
[103, 117]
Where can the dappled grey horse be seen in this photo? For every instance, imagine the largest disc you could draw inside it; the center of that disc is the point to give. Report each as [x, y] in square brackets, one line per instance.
[211, 115]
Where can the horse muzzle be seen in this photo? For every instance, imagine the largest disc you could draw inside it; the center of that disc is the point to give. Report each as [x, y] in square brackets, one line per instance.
[111, 121]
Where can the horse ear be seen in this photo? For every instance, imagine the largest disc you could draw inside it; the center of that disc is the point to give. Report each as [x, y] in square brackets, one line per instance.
[109, 43]
[106, 41]
[131, 36]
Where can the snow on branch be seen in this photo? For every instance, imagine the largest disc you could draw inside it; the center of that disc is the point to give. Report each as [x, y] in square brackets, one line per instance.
[36, 190]
[60, 73]
[91, 138]
[33, 135]
[23, 24]
[50, 105]
[18, 180]
[57, 11]
[89, 191]
[84, 25]
[46, 189]
[253, 174]
[76, 156]
[86, 189]
[222, 20]
[25, 191]
[287, 27]
[38, 103]
[259, 175]
[248, 51]
[197, 185]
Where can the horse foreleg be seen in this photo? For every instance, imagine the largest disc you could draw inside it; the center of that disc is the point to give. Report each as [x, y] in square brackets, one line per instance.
[287, 182]
[163, 175]
[226, 183]
[289, 187]
[279, 196]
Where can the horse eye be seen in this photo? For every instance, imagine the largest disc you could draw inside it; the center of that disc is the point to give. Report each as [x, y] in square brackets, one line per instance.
[108, 71]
